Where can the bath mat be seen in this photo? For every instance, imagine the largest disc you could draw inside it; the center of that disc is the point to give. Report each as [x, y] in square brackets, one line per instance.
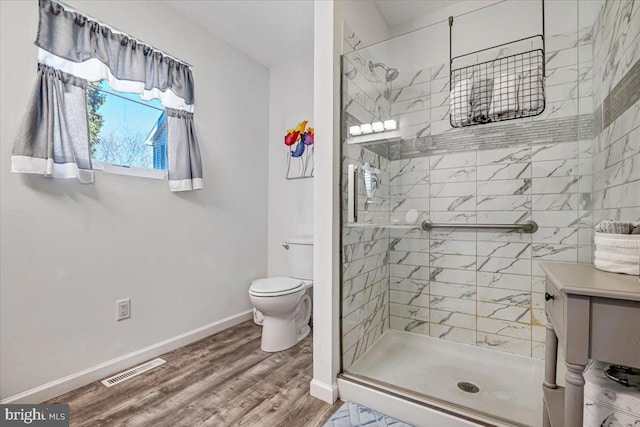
[352, 414]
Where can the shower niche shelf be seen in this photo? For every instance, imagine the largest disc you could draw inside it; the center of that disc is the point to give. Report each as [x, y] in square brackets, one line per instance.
[375, 138]
[509, 86]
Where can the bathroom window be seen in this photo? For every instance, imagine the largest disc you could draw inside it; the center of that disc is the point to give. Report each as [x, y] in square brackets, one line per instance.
[128, 134]
[68, 134]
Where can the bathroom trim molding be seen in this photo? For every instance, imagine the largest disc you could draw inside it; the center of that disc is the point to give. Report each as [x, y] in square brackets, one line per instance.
[325, 392]
[81, 378]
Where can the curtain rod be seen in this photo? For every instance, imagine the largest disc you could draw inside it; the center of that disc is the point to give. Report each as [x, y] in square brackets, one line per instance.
[111, 27]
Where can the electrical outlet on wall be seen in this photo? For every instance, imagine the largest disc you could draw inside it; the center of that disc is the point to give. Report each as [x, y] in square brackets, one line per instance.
[123, 307]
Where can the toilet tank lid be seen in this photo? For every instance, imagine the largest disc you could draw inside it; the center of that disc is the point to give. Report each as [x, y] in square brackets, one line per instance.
[301, 240]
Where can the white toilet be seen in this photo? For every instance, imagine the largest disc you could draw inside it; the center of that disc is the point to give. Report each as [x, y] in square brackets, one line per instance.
[285, 302]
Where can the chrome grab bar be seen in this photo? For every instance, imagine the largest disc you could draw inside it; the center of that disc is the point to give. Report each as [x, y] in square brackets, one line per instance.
[526, 227]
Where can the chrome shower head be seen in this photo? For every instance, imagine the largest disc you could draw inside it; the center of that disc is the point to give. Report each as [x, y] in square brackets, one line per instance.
[390, 73]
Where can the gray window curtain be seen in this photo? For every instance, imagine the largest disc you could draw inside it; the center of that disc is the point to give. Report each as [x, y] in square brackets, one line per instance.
[53, 139]
[74, 49]
[77, 38]
[183, 153]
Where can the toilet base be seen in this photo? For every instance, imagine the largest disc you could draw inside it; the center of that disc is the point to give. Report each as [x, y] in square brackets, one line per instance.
[279, 336]
[280, 333]
[306, 330]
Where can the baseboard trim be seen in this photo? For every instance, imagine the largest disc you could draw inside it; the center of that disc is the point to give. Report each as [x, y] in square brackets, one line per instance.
[110, 367]
[325, 392]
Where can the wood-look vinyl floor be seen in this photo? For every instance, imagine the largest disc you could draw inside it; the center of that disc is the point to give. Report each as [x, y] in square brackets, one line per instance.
[222, 380]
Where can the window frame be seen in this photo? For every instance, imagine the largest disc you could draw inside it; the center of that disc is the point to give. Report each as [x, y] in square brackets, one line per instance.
[135, 171]
[114, 169]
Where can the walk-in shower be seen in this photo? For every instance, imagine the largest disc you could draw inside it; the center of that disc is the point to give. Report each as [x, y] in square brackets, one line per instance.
[453, 317]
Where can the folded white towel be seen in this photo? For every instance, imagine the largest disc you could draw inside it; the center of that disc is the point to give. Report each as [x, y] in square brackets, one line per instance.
[617, 257]
[622, 241]
[504, 97]
[618, 253]
[617, 268]
[530, 92]
[460, 103]
[481, 99]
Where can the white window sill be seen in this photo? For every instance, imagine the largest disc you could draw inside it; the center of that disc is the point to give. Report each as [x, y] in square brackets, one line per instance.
[129, 170]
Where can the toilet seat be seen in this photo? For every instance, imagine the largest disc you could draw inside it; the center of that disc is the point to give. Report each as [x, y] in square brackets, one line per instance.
[276, 286]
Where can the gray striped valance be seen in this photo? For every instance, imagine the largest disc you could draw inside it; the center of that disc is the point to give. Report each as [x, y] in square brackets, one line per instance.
[74, 37]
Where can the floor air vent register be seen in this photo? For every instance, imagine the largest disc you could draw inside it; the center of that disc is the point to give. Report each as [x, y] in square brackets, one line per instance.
[130, 373]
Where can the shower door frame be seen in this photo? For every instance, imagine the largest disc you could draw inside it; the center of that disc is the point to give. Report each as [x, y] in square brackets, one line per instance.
[429, 403]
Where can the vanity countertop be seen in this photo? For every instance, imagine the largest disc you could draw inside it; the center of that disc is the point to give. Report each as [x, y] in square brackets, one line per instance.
[585, 279]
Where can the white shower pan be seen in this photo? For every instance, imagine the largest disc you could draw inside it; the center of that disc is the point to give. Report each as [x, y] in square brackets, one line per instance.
[430, 369]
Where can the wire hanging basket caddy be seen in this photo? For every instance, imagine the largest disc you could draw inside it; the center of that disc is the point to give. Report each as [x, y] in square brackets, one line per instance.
[508, 87]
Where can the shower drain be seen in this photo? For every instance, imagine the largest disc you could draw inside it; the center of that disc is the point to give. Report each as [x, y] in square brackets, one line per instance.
[468, 387]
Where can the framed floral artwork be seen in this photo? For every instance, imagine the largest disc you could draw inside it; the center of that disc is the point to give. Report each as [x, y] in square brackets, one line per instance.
[299, 144]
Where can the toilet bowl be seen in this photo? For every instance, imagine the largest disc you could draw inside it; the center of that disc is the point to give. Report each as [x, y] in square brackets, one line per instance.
[284, 303]
[286, 309]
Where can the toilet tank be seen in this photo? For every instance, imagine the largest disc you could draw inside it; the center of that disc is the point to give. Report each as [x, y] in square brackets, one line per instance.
[300, 255]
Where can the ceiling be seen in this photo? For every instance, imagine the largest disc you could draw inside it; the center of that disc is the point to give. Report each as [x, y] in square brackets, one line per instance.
[397, 12]
[274, 31]
[269, 31]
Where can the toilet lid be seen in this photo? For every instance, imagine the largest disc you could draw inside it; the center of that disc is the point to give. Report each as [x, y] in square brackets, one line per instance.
[276, 285]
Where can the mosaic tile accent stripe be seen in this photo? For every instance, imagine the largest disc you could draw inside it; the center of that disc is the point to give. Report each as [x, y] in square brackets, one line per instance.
[622, 97]
[616, 144]
[490, 136]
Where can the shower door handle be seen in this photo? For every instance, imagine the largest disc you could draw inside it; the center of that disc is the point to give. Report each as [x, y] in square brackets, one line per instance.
[352, 193]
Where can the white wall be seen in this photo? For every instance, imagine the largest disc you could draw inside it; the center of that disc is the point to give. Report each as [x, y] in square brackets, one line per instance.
[497, 22]
[556, 15]
[68, 251]
[290, 201]
[327, 46]
[441, 15]
[366, 21]
[291, 100]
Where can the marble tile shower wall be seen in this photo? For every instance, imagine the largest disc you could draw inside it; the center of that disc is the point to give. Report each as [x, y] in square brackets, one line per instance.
[365, 92]
[485, 287]
[482, 287]
[365, 248]
[420, 101]
[616, 102]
